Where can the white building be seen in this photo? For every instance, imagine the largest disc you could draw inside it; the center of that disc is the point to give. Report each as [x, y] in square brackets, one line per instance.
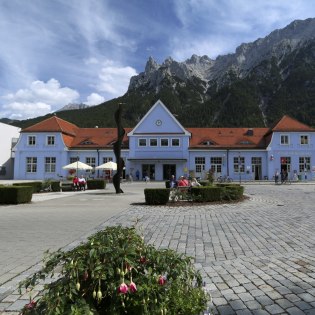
[9, 136]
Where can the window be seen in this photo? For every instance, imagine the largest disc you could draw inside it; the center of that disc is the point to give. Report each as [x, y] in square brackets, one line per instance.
[216, 164]
[164, 142]
[175, 142]
[239, 164]
[284, 139]
[304, 139]
[256, 160]
[74, 159]
[142, 142]
[50, 164]
[200, 164]
[50, 140]
[107, 159]
[31, 164]
[285, 162]
[90, 161]
[304, 164]
[153, 142]
[31, 140]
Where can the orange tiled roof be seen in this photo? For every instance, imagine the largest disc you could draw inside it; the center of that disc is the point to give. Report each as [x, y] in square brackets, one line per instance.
[227, 137]
[53, 124]
[287, 123]
[97, 137]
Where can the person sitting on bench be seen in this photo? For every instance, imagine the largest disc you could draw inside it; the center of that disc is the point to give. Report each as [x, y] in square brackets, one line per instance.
[82, 183]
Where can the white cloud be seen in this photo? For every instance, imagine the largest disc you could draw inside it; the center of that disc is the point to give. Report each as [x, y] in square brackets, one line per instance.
[114, 79]
[39, 99]
[23, 110]
[94, 99]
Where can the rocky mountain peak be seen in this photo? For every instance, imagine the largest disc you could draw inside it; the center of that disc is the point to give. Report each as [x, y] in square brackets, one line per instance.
[247, 56]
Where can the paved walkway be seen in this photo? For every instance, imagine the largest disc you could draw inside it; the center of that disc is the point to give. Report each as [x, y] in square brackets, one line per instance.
[256, 257]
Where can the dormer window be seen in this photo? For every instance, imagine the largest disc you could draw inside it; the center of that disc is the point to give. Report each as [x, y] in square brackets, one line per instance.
[246, 142]
[250, 132]
[87, 142]
[207, 142]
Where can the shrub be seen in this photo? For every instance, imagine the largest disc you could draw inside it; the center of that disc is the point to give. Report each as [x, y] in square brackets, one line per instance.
[15, 194]
[156, 196]
[204, 183]
[233, 192]
[96, 184]
[55, 185]
[37, 186]
[206, 194]
[115, 272]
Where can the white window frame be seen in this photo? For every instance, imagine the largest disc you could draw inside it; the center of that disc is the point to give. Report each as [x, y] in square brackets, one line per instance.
[32, 162]
[164, 146]
[151, 143]
[304, 164]
[50, 164]
[306, 138]
[107, 159]
[288, 138]
[31, 143]
[142, 139]
[173, 143]
[50, 137]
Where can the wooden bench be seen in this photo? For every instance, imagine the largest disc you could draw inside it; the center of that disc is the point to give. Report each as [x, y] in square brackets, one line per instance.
[180, 193]
[66, 186]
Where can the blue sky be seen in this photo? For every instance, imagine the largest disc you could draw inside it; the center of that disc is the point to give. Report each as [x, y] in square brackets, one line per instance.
[54, 52]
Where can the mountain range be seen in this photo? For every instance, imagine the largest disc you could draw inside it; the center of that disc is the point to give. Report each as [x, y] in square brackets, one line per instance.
[255, 86]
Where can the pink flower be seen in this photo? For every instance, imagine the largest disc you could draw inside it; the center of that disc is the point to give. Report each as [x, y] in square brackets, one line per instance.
[132, 287]
[161, 280]
[30, 305]
[123, 288]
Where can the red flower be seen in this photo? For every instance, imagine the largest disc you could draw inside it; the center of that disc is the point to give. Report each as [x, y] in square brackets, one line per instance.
[161, 280]
[123, 288]
[143, 260]
[132, 287]
[30, 305]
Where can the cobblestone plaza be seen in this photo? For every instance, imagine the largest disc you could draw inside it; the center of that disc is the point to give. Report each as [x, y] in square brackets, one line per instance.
[256, 257]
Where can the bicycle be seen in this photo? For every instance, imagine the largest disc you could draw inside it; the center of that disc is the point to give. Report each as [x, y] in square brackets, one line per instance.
[224, 179]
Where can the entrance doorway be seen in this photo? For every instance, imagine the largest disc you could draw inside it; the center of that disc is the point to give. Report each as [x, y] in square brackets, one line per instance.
[148, 170]
[168, 171]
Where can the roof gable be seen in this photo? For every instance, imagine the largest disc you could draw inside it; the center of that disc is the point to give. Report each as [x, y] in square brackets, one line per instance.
[53, 124]
[287, 123]
[158, 120]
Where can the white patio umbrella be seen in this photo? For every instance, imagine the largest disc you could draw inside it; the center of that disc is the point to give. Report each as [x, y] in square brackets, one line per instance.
[77, 166]
[107, 166]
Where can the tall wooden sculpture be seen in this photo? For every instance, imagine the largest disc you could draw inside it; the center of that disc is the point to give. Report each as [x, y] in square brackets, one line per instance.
[117, 150]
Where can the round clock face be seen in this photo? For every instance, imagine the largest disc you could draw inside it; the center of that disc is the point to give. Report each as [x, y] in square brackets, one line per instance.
[158, 122]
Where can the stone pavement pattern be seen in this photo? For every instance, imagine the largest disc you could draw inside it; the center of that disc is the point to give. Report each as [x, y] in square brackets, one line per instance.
[256, 257]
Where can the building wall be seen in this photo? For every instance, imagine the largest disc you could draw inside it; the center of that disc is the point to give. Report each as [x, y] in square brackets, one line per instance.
[7, 134]
[293, 150]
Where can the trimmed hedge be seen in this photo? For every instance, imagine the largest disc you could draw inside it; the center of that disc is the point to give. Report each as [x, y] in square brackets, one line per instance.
[233, 192]
[55, 185]
[207, 193]
[37, 186]
[96, 184]
[15, 194]
[156, 196]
